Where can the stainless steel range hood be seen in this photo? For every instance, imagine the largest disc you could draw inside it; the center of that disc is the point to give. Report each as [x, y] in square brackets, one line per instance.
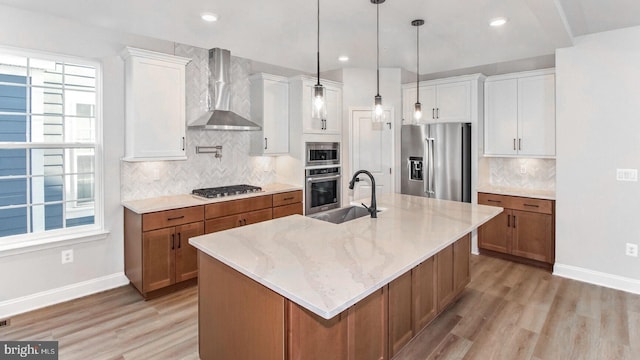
[219, 117]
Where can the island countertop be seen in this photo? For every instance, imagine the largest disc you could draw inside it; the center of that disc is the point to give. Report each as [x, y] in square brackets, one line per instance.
[326, 268]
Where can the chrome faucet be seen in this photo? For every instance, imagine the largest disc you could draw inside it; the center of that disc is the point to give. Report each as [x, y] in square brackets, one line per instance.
[373, 208]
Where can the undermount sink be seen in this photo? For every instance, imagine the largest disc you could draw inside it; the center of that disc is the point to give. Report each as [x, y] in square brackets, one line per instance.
[338, 216]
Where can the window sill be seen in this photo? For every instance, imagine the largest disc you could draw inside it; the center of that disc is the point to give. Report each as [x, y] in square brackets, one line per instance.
[38, 244]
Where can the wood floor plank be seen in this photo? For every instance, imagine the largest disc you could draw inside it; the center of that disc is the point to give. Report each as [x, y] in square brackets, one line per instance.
[508, 311]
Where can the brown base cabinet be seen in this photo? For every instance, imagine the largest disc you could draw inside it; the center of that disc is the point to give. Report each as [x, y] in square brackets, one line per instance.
[241, 319]
[524, 231]
[418, 296]
[157, 250]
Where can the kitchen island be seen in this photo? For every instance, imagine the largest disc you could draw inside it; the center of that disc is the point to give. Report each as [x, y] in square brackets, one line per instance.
[301, 288]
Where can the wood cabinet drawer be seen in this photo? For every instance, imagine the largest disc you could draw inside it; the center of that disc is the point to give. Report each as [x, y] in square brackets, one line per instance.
[494, 200]
[534, 205]
[226, 208]
[237, 220]
[162, 219]
[287, 198]
[286, 210]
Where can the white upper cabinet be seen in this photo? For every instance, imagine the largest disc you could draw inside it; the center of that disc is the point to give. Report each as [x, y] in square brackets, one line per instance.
[520, 114]
[270, 110]
[301, 93]
[441, 101]
[154, 106]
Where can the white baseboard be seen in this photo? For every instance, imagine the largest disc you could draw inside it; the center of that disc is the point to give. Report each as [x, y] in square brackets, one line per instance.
[597, 278]
[65, 293]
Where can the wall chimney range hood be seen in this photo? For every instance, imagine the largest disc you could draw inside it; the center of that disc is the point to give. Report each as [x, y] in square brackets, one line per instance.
[218, 116]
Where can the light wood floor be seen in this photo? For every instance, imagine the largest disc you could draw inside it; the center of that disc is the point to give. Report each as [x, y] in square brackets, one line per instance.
[509, 311]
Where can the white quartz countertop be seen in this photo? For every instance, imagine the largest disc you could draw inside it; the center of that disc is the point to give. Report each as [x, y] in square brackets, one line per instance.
[162, 203]
[325, 267]
[532, 193]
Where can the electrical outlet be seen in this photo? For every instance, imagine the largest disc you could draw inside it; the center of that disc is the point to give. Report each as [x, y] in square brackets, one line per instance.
[631, 250]
[523, 169]
[627, 174]
[67, 256]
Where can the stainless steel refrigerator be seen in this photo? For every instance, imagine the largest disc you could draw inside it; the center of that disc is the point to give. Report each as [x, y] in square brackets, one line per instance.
[436, 161]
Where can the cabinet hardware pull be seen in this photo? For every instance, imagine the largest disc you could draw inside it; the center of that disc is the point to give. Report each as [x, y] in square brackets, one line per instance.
[514, 143]
[532, 205]
[173, 241]
[514, 221]
[288, 198]
[183, 143]
[494, 201]
[437, 113]
[239, 222]
[508, 220]
[179, 240]
[433, 113]
[245, 221]
[266, 143]
[520, 144]
[175, 218]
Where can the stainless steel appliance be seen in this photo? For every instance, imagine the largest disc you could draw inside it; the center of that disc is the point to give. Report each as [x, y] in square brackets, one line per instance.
[216, 192]
[322, 190]
[322, 153]
[437, 161]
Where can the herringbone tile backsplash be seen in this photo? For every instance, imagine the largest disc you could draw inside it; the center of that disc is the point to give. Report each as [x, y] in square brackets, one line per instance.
[202, 170]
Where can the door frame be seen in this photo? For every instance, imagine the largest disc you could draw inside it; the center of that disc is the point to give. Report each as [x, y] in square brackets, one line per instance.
[346, 175]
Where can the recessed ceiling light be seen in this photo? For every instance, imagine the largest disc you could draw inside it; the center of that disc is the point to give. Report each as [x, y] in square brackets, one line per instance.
[209, 17]
[498, 22]
[343, 58]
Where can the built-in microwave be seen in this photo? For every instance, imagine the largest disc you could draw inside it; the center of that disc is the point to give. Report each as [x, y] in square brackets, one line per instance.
[322, 189]
[322, 153]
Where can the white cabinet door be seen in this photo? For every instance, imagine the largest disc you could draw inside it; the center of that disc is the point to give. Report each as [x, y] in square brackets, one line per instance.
[408, 102]
[501, 117]
[333, 123]
[333, 98]
[453, 102]
[537, 116]
[520, 114]
[270, 110]
[429, 104]
[154, 106]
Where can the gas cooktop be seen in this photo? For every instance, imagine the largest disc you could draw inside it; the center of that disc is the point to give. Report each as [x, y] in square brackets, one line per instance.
[216, 192]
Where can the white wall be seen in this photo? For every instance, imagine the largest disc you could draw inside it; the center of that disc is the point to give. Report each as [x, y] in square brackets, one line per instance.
[598, 130]
[37, 278]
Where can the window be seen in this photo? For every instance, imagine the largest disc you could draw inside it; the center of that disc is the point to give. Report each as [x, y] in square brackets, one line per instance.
[49, 146]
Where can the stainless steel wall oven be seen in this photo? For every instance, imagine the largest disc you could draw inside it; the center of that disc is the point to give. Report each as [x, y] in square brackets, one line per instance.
[322, 189]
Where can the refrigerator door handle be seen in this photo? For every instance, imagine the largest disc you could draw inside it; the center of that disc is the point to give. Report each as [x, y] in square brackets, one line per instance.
[429, 181]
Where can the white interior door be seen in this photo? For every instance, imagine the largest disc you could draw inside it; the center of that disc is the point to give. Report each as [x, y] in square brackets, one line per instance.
[371, 150]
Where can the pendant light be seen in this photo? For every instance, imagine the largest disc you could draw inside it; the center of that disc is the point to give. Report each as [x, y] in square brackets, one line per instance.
[417, 112]
[378, 112]
[318, 103]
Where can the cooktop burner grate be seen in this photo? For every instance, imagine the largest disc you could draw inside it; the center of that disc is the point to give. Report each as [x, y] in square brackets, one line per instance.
[216, 192]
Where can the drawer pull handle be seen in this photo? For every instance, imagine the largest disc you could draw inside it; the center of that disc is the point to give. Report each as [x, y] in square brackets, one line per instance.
[179, 240]
[514, 221]
[494, 201]
[173, 241]
[288, 198]
[508, 220]
[175, 218]
[530, 205]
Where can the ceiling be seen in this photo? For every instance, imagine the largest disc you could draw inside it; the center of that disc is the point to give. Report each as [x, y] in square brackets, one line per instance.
[455, 35]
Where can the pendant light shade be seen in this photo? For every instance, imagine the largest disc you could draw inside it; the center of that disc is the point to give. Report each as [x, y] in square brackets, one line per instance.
[318, 103]
[417, 111]
[378, 112]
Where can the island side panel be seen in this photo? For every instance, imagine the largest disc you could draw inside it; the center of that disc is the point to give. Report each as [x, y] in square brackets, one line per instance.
[237, 317]
[312, 337]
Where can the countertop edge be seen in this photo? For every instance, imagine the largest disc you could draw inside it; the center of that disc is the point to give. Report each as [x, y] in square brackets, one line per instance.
[170, 202]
